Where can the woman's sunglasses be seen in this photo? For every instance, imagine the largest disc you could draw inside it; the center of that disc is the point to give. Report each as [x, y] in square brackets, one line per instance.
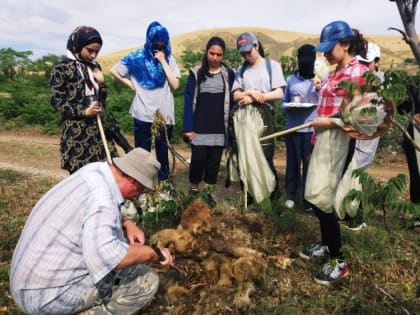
[160, 47]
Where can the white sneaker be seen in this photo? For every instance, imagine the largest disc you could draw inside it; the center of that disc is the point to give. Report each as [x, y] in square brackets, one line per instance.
[290, 204]
[314, 251]
[357, 227]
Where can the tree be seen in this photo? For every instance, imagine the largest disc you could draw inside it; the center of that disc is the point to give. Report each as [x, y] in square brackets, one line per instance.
[44, 64]
[12, 61]
[407, 10]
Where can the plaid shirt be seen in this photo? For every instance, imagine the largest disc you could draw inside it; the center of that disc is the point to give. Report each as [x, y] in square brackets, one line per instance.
[72, 239]
[330, 96]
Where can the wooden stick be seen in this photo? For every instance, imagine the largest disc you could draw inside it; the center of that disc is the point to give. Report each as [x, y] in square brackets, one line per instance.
[101, 131]
[404, 130]
[285, 132]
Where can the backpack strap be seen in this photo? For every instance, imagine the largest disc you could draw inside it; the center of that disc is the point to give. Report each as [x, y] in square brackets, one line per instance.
[270, 74]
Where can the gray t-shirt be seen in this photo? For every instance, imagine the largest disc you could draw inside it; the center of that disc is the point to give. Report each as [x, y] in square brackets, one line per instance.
[258, 78]
[147, 102]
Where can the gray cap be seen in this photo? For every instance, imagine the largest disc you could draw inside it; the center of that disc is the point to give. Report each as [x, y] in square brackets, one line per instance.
[246, 41]
[140, 165]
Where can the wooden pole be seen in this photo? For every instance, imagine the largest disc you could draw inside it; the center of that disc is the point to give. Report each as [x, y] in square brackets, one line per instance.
[101, 131]
[285, 132]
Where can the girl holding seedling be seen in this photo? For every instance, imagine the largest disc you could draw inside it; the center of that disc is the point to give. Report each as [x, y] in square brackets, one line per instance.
[333, 148]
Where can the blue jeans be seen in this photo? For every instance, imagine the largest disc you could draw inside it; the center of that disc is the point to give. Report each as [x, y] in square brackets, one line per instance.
[298, 152]
[143, 139]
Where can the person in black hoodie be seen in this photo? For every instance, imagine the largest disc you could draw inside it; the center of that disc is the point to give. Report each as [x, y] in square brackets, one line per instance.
[412, 107]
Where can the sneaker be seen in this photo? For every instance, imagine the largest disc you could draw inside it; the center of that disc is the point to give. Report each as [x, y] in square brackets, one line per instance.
[314, 251]
[290, 204]
[309, 209]
[356, 227]
[193, 191]
[332, 271]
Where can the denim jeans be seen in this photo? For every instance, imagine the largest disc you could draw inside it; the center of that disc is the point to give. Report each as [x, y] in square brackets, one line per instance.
[143, 139]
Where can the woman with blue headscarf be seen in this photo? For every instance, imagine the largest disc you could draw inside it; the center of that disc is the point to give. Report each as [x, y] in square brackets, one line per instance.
[153, 74]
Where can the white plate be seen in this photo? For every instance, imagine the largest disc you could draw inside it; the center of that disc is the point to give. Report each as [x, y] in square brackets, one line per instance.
[299, 105]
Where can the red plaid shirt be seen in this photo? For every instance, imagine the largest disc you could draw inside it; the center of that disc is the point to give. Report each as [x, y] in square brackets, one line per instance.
[330, 96]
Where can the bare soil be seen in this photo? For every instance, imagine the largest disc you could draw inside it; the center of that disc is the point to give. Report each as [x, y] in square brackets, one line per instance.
[230, 261]
[31, 151]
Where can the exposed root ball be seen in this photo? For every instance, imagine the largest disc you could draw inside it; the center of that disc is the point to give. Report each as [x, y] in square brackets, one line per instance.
[179, 241]
[196, 218]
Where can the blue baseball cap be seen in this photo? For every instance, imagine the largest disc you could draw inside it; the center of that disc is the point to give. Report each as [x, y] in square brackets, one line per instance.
[331, 34]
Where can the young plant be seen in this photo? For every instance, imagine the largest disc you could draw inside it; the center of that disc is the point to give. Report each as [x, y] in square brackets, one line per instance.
[384, 196]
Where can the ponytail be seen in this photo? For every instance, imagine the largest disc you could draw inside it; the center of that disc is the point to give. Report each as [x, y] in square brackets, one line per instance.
[358, 44]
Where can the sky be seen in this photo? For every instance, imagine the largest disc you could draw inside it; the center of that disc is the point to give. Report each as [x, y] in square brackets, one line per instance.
[43, 26]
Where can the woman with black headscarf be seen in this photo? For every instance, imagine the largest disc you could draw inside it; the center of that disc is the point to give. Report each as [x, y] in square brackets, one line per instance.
[206, 110]
[74, 88]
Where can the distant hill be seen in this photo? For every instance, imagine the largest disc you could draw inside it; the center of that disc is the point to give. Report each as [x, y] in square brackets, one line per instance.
[276, 42]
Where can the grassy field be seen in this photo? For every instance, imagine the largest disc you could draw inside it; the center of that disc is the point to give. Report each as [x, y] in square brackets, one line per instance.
[384, 276]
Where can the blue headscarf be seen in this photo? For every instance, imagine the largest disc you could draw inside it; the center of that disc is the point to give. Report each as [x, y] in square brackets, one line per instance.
[142, 63]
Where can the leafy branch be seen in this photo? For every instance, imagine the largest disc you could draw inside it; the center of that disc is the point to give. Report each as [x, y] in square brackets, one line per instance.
[383, 196]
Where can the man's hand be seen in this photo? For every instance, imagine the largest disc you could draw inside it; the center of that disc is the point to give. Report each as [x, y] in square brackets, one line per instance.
[165, 257]
[135, 236]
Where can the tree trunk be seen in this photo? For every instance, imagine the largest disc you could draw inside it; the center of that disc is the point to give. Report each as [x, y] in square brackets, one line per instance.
[407, 10]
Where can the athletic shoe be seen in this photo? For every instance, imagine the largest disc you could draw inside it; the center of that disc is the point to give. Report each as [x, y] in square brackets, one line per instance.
[332, 271]
[290, 204]
[309, 209]
[356, 227]
[194, 191]
[314, 251]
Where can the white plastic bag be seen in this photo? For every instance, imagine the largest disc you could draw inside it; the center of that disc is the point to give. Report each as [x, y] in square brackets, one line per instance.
[347, 183]
[365, 113]
[254, 170]
[325, 168]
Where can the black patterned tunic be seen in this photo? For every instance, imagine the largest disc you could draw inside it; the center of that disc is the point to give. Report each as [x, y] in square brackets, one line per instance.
[81, 141]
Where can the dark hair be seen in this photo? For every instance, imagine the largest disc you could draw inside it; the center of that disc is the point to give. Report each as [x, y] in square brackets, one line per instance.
[358, 45]
[204, 69]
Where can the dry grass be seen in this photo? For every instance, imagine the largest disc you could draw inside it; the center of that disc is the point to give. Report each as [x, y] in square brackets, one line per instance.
[384, 267]
[277, 42]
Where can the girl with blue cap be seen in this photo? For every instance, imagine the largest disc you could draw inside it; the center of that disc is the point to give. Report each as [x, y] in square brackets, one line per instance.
[333, 149]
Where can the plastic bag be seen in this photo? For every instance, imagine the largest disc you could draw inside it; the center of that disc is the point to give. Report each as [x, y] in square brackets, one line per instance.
[366, 114]
[347, 183]
[325, 168]
[254, 170]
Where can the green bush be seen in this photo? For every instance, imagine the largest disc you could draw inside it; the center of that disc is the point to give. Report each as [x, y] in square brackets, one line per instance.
[24, 100]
